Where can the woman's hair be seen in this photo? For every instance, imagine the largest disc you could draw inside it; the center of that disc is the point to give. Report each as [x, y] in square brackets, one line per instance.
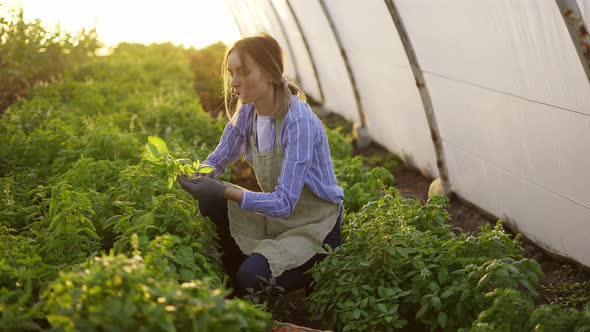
[267, 54]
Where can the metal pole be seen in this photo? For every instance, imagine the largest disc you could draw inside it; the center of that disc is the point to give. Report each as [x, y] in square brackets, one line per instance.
[578, 31]
[313, 64]
[287, 41]
[424, 95]
[357, 96]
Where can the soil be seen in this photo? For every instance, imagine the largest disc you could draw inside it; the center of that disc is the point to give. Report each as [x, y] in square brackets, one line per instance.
[565, 282]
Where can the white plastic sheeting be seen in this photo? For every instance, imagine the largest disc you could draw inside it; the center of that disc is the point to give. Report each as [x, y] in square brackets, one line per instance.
[244, 18]
[585, 9]
[509, 92]
[265, 18]
[338, 93]
[394, 113]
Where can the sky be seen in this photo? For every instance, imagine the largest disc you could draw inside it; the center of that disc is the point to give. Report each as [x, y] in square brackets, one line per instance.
[195, 23]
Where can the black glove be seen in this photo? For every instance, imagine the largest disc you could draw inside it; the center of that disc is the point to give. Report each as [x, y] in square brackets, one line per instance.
[202, 187]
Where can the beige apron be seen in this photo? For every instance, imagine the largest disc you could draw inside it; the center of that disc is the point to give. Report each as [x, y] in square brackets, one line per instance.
[285, 243]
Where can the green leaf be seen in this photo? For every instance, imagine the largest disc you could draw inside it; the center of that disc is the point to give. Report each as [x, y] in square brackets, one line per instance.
[442, 275]
[442, 319]
[382, 308]
[421, 311]
[528, 286]
[60, 320]
[186, 274]
[155, 147]
[206, 169]
[402, 251]
[320, 250]
[483, 280]
[151, 152]
[446, 294]
[533, 277]
[433, 286]
[391, 251]
[404, 293]
[464, 295]
[364, 303]
[385, 292]
[367, 287]
[436, 302]
[91, 233]
[159, 143]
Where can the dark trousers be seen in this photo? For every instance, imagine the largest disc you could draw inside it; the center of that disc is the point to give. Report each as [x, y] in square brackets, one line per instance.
[243, 270]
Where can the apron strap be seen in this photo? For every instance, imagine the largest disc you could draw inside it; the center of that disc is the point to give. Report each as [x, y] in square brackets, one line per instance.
[278, 129]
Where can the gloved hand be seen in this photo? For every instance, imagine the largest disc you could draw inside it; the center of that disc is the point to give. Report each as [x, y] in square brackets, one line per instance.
[202, 187]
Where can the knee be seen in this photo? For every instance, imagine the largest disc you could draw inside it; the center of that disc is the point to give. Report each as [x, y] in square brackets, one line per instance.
[251, 271]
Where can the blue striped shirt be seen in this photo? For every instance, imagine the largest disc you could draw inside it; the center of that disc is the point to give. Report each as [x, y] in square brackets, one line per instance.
[307, 160]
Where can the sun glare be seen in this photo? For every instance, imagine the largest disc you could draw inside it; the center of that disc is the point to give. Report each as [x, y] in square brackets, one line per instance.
[195, 23]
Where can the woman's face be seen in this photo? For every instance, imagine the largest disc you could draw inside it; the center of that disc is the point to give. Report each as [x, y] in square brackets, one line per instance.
[248, 80]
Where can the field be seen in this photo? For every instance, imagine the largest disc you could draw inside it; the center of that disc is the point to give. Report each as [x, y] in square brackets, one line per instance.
[96, 235]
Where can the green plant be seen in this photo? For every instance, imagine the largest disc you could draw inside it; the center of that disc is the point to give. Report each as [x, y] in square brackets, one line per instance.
[67, 228]
[119, 293]
[156, 150]
[29, 54]
[556, 318]
[508, 312]
[340, 143]
[357, 286]
[273, 297]
[22, 274]
[206, 69]
[401, 261]
[361, 184]
[565, 293]
[76, 183]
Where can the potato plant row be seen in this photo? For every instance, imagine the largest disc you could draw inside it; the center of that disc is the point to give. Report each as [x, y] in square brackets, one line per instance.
[29, 54]
[94, 234]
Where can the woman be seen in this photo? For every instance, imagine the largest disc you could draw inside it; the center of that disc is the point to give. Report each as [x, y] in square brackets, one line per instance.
[271, 233]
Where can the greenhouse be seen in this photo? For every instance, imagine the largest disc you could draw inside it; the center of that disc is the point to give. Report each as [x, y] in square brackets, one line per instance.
[432, 158]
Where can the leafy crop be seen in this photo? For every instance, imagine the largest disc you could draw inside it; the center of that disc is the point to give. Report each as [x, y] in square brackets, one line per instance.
[119, 293]
[361, 184]
[156, 150]
[22, 275]
[206, 69]
[77, 184]
[401, 261]
[340, 144]
[29, 54]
